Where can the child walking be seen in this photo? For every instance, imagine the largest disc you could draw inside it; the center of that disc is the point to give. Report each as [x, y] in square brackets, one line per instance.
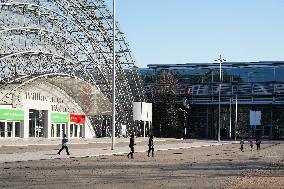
[64, 145]
[251, 145]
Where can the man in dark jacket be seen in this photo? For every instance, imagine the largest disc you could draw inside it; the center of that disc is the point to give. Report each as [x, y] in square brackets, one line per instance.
[258, 141]
[64, 145]
[131, 146]
[151, 146]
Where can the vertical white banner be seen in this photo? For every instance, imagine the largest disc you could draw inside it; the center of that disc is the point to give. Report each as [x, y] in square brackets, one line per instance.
[137, 111]
[142, 111]
[149, 112]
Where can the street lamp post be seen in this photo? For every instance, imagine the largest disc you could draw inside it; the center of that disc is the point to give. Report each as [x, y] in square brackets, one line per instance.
[220, 60]
[236, 119]
[113, 82]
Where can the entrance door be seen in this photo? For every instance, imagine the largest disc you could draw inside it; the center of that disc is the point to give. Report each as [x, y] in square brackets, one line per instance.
[76, 130]
[58, 129]
[37, 123]
[73, 130]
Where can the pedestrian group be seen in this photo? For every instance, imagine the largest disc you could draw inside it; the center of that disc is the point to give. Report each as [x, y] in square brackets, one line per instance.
[257, 143]
[150, 145]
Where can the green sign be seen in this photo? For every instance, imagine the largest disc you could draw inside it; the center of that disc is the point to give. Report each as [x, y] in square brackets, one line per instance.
[9, 114]
[59, 117]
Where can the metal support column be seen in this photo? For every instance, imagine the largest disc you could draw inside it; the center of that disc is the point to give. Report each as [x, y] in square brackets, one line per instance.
[236, 119]
[230, 129]
[207, 122]
[113, 82]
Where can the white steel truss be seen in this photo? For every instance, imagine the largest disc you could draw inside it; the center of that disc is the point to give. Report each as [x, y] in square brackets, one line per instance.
[68, 37]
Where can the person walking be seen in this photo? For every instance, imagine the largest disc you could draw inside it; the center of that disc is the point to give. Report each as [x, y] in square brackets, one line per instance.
[131, 146]
[151, 146]
[258, 141]
[251, 145]
[242, 145]
[64, 145]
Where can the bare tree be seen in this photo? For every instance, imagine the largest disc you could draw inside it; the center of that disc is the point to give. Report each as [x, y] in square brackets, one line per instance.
[165, 110]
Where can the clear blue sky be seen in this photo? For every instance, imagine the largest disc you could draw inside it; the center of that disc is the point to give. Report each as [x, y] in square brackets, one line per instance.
[193, 31]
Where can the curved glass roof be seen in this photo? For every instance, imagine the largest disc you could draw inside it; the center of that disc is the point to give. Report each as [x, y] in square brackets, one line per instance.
[39, 37]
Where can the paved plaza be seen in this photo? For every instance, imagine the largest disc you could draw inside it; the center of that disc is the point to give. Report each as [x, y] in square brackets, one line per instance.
[44, 149]
[176, 164]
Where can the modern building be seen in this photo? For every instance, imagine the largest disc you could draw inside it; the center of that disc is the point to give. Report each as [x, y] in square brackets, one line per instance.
[244, 87]
[50, 107]
[56, 70]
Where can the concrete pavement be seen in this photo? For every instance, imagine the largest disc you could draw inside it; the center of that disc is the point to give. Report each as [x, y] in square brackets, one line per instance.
[90, 152]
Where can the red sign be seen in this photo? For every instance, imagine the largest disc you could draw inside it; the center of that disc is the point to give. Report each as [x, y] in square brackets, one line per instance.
[76, 118]
[186, 90]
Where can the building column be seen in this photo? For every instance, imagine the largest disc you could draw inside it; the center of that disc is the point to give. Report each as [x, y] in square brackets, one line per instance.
[47, 123]
[25, 128]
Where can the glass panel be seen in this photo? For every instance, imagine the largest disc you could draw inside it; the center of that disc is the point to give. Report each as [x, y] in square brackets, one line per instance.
[17, 129]
[41, 117]
[71, 130]
[9, 129]
[32, 114]
[32, 118]
[81, 131]
[2, 129]
[75, 130]
[31, 128]
[58, 130]
[63, 129]
[52, 130]
[38, 128]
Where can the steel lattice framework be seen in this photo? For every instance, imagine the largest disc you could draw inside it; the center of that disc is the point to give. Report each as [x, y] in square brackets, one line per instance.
[68, 37]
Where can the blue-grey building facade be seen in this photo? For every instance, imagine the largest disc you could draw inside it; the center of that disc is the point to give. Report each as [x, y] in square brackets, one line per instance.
[244, 86]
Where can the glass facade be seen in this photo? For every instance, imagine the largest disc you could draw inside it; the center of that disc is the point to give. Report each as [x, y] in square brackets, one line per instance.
[244, 86]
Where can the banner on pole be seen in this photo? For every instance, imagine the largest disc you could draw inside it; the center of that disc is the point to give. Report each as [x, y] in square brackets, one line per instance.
[255, 117]
[142, 111]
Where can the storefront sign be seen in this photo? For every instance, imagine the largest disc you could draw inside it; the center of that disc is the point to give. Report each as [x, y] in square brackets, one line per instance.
[76, 118]
[8, 114]
[59, 118]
